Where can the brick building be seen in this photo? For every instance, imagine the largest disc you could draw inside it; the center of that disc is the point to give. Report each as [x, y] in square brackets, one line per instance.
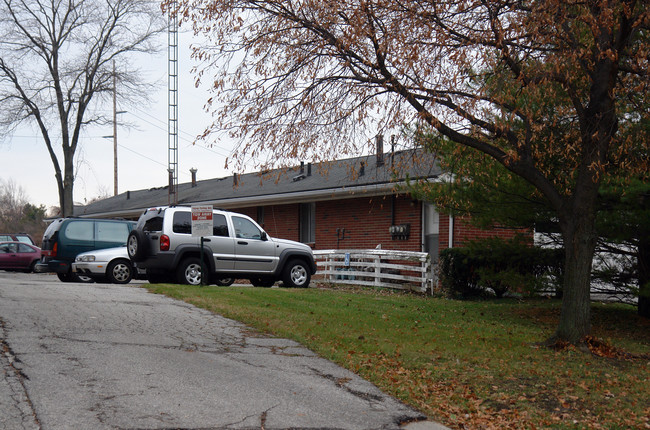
[357, 203]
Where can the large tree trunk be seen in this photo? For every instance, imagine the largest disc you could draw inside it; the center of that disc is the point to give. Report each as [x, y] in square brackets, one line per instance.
[580, 242]
[67, 203]
[643, 262]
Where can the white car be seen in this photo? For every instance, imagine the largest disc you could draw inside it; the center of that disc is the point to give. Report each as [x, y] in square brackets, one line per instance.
[110, 264]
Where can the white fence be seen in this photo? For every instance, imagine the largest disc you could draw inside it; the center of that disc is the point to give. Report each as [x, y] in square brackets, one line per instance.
[404, 270]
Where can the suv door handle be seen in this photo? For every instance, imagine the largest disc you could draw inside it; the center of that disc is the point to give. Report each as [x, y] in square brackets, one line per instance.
[241, 242]
[206, 240]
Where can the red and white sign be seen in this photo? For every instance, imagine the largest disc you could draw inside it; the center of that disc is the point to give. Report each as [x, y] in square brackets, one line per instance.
[202, 220]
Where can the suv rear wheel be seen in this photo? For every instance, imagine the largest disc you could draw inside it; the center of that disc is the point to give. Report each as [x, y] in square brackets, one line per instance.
[296, 274]
[189, 272]
[136, 245]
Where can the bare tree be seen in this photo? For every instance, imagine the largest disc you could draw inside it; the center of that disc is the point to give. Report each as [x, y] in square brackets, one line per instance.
[17, 215]
[12, 201]
[56, 60]
[536, 85]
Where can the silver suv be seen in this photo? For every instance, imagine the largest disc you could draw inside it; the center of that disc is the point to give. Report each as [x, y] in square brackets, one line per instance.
[162, 244]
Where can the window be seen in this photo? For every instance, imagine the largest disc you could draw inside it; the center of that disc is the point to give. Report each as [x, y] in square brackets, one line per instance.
[308, 222]
[182, 223]
[219, 225]
[24, 239]
[431, 230]
[112, 231]
[8, 248]
[80, 230]
[153, 224]
[245, 229]
[22, 248]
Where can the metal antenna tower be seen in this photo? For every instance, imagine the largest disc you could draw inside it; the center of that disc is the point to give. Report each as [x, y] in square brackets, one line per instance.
[172, 97]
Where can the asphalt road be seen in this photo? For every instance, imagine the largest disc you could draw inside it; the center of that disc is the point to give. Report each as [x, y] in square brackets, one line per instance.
[98, 356]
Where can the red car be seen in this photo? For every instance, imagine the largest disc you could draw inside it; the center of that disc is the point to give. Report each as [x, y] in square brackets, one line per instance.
[19, 256]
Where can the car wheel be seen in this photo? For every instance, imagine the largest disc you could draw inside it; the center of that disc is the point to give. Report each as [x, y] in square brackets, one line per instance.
[296, 274]
[136, 245]
[262, 282]
[32, 266]
[119, 272]
[189, 272]
[224, 282]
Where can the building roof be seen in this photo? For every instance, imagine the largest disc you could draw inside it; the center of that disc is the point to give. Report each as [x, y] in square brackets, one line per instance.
[353, 177]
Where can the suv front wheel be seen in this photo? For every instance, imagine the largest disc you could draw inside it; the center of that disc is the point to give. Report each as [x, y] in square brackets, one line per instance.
[189, 272]
[296, 274]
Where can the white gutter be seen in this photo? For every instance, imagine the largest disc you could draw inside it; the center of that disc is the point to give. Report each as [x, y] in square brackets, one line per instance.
[451, 231]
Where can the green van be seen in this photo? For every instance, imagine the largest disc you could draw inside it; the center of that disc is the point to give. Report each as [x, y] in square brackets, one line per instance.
[65, 238]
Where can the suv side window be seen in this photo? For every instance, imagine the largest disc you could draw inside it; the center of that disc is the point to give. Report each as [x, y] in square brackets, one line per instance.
[219, 225]
[182, 222]
[79, 230]
[245, 229]
[153, 224]
[112, 231]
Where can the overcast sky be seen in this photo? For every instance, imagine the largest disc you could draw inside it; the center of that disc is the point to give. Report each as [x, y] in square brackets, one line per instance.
[142, 151]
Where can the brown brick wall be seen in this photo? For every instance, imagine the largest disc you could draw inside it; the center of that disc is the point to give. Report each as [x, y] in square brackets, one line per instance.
[465, 232]
[366, 222]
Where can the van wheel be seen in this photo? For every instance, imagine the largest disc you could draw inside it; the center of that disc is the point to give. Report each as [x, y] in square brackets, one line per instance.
[65, 277]
[119, 272]
[189, 272]
[69, 276]
[136, 245]
[296, 274]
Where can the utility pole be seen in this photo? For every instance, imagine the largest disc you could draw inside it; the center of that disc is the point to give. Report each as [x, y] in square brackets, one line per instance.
[114, 131]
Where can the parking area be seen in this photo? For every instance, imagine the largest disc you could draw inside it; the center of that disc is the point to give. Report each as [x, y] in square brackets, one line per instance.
[113, 356]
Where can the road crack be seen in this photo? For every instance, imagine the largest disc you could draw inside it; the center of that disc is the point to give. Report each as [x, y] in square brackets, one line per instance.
[17, 407]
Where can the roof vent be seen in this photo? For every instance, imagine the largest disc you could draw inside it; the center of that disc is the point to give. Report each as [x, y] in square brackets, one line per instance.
[193, 172]
[298, 177]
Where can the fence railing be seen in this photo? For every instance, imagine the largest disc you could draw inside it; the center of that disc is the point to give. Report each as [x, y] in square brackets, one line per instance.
[404, 270]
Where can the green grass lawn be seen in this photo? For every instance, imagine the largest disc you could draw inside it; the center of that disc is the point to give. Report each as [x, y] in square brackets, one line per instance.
[465, 364]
